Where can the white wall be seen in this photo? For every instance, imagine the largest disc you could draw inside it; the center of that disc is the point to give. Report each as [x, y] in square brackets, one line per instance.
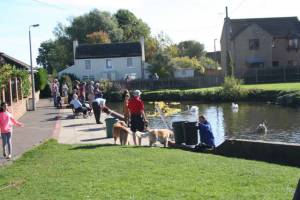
[184, 73]
[99, 70]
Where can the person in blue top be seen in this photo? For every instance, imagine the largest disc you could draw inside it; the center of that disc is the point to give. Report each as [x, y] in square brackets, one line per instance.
[206, 134]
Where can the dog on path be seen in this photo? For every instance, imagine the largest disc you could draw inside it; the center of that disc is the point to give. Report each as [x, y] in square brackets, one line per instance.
[121, 131]
[161, 135]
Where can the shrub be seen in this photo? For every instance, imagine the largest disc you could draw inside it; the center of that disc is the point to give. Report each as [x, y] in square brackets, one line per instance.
[46, 92]
[41, 79]
[231, 88]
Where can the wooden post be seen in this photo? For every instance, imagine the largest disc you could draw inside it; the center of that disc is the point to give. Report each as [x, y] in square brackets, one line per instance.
[10, 102]
[16, 88]
[3, 94]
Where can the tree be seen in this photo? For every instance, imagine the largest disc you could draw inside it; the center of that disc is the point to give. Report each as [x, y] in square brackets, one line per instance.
[161, 64]
[94, 21]
[41, 79]
[229, 66]
[186, 62]
[133, 28]
[54, 55]
[151, 48]
[98, 37]
[191, 49]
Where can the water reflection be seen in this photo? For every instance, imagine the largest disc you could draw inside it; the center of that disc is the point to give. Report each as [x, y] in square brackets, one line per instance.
[282, 122]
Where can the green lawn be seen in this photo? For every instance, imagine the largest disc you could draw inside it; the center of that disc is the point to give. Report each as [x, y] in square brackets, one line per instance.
[268, 86]
[275, 86]
[54, 171]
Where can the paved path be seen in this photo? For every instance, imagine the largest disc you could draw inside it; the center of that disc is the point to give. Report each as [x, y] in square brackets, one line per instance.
[38, 126]
[84, 131]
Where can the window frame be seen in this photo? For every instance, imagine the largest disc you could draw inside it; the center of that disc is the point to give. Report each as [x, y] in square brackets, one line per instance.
[87, 65]
[107, 62]
[253, 44]
[127, 63]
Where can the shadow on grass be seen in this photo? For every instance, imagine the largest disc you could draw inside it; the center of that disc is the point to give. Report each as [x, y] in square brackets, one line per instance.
[87, 147]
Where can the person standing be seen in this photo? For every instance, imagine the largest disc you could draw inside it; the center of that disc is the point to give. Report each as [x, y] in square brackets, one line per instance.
[54, 90]
[137, 114]
[90, 92]
[65, 90]
[126, 97]
[97, 106]
[6, 122]
[82, 92]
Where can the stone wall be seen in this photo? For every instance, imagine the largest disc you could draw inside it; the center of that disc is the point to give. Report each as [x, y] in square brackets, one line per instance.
[274, 152]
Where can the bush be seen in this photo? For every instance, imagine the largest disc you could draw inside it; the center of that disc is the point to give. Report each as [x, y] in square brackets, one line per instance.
[46, 92]
[231, 89]
[41, 79]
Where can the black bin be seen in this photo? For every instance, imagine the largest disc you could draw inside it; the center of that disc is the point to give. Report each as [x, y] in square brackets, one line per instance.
[190, 133]
[178, 132]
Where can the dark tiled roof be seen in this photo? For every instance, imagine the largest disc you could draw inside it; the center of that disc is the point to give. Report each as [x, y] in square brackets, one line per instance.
[112, 50]
[278, 26]
[13, 61]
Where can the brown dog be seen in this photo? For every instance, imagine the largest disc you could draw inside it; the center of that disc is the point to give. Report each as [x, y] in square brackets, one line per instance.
[121, 131]
[161, 135]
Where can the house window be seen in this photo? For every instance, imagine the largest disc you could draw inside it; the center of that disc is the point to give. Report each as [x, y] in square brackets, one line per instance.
[293, 44]
[275, 63]
[108, 64]
[87, 65]
[183, 72]
[92, 77]
[254, 44]
[129, 62]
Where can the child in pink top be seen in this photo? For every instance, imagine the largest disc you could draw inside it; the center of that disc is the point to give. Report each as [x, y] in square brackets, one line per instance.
[6, 122]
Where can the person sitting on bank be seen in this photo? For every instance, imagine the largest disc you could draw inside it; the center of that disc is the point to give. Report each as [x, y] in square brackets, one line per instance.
[97, 106]
[206, 134]
[137, 114]
[78, 106]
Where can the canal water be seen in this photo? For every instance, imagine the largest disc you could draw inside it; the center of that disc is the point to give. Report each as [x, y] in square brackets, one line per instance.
[283, 123]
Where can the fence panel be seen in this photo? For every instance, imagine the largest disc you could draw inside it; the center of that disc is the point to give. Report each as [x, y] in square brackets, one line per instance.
[282, 74]
[196, 82]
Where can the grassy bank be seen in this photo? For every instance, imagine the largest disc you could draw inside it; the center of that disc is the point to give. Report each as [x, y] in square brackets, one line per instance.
[283, 93]
[54, 171]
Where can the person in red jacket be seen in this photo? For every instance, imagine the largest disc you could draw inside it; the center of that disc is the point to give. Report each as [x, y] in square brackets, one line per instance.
[137, 113]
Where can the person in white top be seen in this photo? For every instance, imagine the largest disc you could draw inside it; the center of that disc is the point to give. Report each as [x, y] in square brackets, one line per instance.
[97, 106]
[78, 106]
[65, 90]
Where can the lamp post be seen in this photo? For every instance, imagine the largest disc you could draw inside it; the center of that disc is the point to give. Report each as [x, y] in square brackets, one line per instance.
[31, 68]
[215, 52]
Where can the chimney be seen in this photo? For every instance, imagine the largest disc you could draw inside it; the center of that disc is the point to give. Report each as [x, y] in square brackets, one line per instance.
[142, 41]
[75, 45]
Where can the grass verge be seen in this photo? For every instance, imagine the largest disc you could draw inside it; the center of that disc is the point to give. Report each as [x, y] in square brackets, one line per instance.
[54, 171]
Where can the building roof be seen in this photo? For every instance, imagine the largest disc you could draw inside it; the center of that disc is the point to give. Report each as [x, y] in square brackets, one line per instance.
[112, 50]
[13, 61]
[278, 26]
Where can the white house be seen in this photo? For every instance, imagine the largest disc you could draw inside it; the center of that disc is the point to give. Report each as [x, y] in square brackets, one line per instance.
[114, 61]
[184, 72]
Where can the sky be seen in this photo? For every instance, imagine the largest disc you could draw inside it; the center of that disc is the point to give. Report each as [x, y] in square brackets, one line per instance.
[200, 20]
